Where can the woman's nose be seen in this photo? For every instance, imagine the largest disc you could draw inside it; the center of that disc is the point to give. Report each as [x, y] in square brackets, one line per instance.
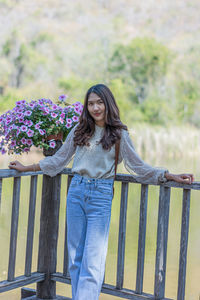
[95, 107]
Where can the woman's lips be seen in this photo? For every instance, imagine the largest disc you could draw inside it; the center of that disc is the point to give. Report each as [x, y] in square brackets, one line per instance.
[97, 114]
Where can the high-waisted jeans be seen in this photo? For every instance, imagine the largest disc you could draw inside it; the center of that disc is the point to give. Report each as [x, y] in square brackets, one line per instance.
[89, 204]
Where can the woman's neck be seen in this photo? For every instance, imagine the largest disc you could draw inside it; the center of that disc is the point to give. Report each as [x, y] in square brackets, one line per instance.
[100, 124]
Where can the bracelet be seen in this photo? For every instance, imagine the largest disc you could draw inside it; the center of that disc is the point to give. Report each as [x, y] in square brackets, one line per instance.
[162, 178]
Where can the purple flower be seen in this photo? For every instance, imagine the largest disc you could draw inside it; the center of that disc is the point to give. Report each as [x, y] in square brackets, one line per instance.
[28, 113]
[30, 133]
[80, 111]
[41, 131]
[37, 126]
[8, 120]
[11, 127]
[21, 120]
[62, 98]
[26, 149]
[40, 102]
[54, 107]
[23, 128]
[29, 142]
[62, 115]
[75, 118]
[20, 115]
[23, 140]
[32, 105]
[69, 120]
[52, 144]
[78, 104]
[3, 151]
[68, 125]
[76, 109]
[29, 123]
[61, 120]
[54, 115]
[13, 144]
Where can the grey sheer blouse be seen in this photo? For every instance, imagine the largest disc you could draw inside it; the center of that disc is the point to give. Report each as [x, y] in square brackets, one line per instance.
[95, 162]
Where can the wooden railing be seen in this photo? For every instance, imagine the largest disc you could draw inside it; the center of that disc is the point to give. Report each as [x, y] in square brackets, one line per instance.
[46, 275]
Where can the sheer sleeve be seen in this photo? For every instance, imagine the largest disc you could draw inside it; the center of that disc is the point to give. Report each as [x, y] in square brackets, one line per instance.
[53, 165]
[136, 166]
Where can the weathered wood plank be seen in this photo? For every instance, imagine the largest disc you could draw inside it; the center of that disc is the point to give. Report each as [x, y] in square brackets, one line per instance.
[110, 289]
[1, 180]
[14, 228]
[5, 173]
[141, 238]
[183, 244]
[126, 293]
[20, 281]
[30, 294]
[122, 235]
[49, 222]
[162, 238]
[31, 222]
[130, 178]
[27, 292]
[56, 298]
[65, 263]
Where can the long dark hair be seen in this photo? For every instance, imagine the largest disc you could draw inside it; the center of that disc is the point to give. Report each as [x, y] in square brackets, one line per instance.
[113, 124]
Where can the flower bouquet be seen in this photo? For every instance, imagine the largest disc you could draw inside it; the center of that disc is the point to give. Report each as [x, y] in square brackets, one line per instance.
[40, 123]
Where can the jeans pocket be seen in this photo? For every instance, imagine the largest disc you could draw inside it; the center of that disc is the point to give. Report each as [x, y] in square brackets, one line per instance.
[105, 189]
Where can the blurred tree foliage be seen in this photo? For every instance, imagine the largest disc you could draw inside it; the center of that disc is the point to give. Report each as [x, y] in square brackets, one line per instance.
[151, 83]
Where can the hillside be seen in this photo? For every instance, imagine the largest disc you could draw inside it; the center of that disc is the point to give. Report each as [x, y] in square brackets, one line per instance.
[44, 43]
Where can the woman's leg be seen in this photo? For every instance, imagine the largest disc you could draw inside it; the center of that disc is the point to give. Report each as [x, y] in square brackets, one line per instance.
[98, 212]
[76, 231]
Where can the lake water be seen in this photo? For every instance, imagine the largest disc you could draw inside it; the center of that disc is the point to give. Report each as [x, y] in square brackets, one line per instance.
[193, 264]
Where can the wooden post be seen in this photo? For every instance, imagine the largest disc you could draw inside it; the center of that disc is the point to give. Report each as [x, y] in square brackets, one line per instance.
[49, 221]
[142, 238]
[162, 238]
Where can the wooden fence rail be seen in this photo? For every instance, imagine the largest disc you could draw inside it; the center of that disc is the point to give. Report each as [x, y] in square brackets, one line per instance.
[46, 275]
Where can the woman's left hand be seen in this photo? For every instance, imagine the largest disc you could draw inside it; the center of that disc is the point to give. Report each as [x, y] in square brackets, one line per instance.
[181, 178]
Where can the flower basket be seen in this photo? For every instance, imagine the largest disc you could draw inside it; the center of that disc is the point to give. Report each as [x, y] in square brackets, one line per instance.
[53, 138]
[41, 123]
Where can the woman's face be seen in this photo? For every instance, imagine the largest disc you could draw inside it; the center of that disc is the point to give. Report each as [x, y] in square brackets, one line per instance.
[96, 109]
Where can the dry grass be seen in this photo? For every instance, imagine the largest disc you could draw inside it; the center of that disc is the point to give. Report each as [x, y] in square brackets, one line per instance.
[172, 142]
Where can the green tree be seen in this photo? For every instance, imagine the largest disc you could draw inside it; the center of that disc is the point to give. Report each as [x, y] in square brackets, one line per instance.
[141, 63]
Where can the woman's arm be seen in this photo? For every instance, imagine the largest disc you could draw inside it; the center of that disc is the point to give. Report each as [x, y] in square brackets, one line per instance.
[135, 165]
[51, 165]
[16, 165]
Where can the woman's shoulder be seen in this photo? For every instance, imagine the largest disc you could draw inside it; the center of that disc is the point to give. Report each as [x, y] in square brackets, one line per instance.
[124, 133]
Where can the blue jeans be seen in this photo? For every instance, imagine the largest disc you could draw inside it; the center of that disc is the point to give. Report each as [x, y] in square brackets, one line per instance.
[89, 204]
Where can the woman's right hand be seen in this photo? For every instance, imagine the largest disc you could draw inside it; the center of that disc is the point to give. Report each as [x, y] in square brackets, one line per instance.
[16, 165]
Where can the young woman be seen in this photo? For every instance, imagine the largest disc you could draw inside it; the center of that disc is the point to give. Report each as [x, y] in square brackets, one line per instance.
[91, 191]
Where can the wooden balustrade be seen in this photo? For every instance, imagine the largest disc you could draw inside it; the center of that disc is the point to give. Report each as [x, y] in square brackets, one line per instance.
[46, 275]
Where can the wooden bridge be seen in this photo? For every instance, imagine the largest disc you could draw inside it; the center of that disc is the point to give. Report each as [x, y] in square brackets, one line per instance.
[46, 275]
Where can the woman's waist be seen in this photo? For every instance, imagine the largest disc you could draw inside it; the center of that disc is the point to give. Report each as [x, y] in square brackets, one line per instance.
[86, 179]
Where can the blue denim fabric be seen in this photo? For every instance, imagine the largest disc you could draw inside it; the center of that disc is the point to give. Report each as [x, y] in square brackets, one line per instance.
[89, 204]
